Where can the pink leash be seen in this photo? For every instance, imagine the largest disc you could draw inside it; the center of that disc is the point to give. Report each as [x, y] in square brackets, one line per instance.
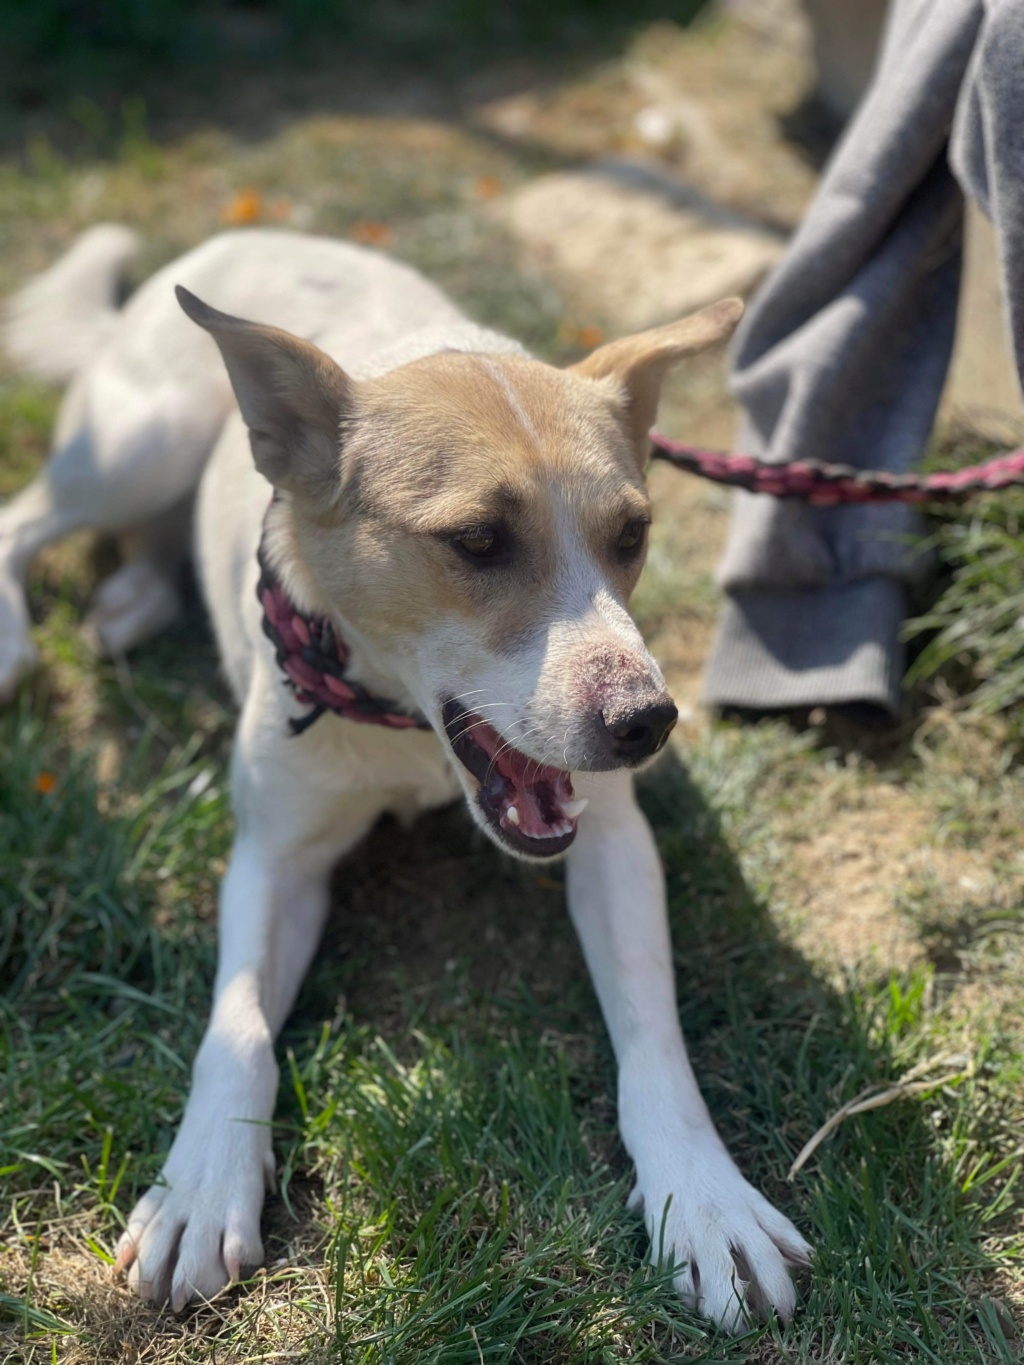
[827, 485]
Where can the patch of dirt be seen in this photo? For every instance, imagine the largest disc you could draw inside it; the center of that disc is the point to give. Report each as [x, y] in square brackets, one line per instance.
[841, 881]
[674, 251]
[709, 102]
[449, 909]
[114, 1327]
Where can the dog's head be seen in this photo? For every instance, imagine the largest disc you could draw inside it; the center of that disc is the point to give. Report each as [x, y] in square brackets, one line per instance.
[482, 519]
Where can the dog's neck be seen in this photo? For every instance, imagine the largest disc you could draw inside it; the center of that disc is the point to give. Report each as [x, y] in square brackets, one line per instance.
[311, 644]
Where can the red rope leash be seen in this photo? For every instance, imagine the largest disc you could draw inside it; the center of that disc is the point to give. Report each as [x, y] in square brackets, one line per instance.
[827, 485]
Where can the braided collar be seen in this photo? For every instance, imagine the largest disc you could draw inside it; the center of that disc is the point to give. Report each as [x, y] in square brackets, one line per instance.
[314, 659]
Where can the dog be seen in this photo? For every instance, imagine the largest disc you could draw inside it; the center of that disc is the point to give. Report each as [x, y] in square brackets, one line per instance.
[430, 538]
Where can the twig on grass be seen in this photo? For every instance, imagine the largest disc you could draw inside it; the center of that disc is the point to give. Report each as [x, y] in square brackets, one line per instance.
[876, 1096]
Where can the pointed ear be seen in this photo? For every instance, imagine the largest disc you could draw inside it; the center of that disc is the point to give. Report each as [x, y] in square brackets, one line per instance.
[638, 364]
[292, 396]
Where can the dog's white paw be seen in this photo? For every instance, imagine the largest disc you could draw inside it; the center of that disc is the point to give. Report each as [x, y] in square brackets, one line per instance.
[18, 653]
[132, 605]
[191, 1235]
[733, 1252]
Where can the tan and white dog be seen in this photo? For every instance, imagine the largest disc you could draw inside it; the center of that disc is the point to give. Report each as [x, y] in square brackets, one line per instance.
[471, 522]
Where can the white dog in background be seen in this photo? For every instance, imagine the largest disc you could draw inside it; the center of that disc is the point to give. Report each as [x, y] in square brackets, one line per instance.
[454, 532]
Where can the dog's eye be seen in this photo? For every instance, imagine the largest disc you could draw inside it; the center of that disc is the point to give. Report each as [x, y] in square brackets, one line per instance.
[479, 542]
[632, 537]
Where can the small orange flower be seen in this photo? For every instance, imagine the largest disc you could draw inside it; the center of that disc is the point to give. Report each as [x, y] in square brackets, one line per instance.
[585, 337]
[45, 782]
[246, 207]
[487, 187]
[371, 233]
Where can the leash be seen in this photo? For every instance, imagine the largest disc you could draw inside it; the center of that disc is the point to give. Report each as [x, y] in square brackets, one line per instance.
[828, 485]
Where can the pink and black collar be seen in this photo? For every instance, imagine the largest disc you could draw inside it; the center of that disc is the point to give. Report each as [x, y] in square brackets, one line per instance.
[314, 659]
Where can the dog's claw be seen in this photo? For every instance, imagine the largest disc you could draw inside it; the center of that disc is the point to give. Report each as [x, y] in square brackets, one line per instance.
[125, 1254]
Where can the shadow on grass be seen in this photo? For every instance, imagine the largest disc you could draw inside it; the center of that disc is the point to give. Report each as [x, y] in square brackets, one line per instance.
[447, 1115]
[243, 68]
[450, 950]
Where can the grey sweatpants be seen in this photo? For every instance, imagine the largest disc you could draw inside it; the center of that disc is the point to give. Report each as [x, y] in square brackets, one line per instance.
[844, 352]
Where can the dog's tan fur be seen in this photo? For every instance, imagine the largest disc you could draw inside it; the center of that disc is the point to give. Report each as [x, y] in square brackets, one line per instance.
[453, 441]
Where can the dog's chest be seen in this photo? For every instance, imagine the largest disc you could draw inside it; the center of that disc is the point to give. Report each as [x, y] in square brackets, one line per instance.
[404, 772]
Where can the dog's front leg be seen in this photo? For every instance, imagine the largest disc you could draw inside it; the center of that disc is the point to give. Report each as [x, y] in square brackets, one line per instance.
[192, 1233]
[731, 1248]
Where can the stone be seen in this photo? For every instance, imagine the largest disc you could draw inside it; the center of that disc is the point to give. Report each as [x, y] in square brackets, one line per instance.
[633, 247]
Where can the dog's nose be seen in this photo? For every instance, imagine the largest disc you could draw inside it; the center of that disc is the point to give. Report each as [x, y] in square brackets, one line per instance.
[641, 732]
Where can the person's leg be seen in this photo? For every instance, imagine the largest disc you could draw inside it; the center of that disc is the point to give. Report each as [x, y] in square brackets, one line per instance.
[842, 357]
[987, 150]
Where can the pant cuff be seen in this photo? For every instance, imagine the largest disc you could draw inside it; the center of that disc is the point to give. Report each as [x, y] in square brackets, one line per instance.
[810, 647]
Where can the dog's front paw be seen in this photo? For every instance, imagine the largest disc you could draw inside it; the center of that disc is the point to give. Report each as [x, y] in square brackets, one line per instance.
[190, 1236]
[733, 1253]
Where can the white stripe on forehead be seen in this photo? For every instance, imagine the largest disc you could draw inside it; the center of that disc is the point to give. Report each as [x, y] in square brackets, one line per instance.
[585, 604]
[503, 382]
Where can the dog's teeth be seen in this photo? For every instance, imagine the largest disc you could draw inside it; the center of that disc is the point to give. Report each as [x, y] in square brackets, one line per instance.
[572, 810]
[556, 831]
[512, 815]
[552, 831]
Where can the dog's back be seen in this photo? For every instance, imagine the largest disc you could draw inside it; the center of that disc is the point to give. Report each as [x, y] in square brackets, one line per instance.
[149, 397]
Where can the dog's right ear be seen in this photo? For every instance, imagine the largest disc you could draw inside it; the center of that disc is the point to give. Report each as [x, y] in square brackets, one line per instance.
[292, 396]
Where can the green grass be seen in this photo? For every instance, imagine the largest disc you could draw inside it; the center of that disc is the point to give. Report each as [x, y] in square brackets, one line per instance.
[452, 1186]
[183, 28]
[974, 631]
[968, 640]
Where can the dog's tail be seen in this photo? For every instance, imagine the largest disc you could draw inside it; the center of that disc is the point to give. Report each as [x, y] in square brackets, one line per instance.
[54, 325]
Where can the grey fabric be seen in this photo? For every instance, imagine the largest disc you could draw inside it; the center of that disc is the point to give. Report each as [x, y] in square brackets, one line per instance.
[844, 352]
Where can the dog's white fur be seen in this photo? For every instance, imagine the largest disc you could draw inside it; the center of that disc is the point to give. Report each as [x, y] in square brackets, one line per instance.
[149, 418]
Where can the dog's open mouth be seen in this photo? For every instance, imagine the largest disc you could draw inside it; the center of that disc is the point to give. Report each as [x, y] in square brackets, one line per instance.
[530, 807]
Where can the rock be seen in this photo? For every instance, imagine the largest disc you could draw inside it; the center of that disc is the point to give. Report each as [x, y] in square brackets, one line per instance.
[630, 245]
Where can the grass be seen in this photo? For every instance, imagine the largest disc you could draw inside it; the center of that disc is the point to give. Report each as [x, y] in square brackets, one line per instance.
[971, 637]
[452, 1187]
[451, 1181]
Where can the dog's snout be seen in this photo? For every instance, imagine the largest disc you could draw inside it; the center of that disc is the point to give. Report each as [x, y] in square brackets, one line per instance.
[642, 730]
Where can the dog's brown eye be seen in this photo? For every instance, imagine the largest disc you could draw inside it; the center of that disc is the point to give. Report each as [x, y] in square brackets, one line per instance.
[479, 542]
[632, 537]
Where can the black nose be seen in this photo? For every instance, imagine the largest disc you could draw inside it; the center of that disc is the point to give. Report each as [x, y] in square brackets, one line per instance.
[639, 733]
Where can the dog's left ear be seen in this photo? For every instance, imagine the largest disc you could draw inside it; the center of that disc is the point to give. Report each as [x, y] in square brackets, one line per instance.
[293, 398]
[638, 364]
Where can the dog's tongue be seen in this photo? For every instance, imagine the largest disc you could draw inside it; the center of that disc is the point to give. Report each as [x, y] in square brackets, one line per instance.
[534, 797]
